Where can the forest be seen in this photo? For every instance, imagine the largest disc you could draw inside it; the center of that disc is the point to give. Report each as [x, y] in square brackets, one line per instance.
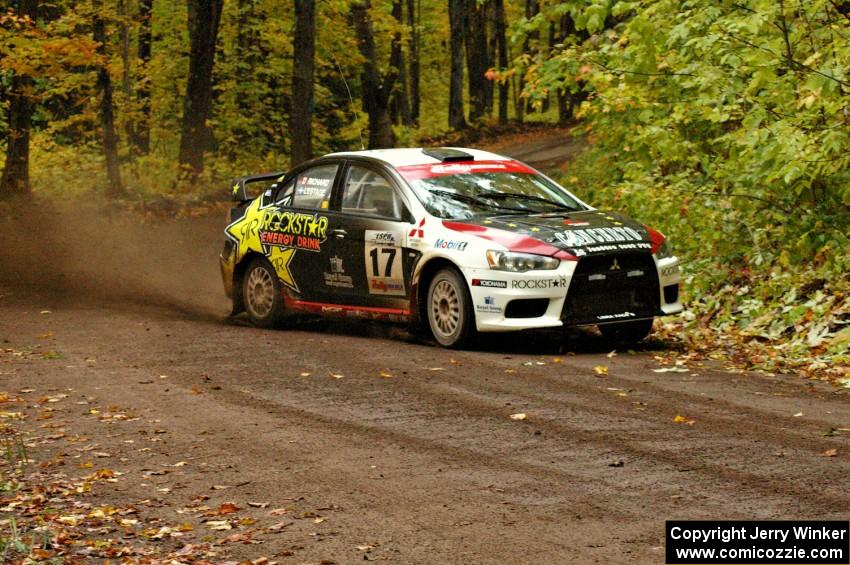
[724, 123]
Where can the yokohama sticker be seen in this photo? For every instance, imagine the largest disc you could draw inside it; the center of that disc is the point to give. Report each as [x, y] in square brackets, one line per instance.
[489, 283]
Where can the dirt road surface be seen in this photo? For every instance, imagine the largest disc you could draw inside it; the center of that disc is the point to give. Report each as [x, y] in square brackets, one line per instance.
[380, 446]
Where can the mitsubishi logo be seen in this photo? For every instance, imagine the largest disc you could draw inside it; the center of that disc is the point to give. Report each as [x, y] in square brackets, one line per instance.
[615, 266]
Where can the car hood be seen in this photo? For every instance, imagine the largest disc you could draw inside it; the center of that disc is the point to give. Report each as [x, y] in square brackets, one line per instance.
[577, 233]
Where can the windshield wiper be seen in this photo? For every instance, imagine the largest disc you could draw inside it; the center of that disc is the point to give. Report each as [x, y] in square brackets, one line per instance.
[472, 200]
[527, 197]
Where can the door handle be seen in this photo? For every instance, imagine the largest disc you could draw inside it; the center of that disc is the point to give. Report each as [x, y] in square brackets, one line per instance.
[339, 233]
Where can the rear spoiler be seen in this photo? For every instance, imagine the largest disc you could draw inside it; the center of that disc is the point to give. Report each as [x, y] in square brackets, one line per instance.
[239, 187]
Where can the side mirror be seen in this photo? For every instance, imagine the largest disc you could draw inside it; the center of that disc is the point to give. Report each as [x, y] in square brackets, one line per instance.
[248, 188]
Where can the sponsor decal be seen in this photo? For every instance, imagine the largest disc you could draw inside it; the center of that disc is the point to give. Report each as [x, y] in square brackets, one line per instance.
[418, 231]
[247, 233]
[619, 316]
[669, 271]
[337, 277]
[382, 256]
[560, 282]
[450, 244]
[489, 283]
[386, 286]
[594, 236]
[417, 172]
[293, 229]
[637, 246]
[615, 265]
[489, 306]
[381, 238]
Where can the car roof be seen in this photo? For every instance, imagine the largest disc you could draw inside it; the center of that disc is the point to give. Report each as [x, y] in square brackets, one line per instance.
[406, 157]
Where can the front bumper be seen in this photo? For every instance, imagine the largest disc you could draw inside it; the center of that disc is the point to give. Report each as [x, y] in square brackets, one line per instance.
[504, 301]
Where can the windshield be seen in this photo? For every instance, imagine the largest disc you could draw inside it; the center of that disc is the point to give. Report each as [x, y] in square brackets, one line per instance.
[460, 191]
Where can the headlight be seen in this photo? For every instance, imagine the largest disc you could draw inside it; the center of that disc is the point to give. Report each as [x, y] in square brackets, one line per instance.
[520, 262]
[664, 251]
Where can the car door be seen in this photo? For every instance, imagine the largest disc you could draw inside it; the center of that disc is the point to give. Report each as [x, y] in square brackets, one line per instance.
[367, 261]
[296, 227]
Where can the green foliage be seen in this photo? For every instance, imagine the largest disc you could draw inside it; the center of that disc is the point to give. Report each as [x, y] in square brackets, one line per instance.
[725, 124]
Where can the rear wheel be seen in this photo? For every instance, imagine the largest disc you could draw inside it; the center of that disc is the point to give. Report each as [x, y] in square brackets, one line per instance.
[450, 314]
[261, 294]
[627, 332]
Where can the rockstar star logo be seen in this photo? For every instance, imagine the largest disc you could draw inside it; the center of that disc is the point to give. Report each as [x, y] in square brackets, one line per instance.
[246, 230]
[280, 260]
[312, 227]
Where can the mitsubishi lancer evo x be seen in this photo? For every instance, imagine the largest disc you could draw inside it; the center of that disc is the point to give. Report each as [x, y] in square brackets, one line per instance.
[458, 241]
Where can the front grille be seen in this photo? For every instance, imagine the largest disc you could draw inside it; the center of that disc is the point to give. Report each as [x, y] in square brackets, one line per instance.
[527, 308]
[611, 288]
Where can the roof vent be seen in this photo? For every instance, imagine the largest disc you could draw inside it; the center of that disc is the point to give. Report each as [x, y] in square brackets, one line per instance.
[447, 154]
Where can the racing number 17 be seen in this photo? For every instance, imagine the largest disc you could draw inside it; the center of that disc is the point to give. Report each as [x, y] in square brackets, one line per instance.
[388, 268]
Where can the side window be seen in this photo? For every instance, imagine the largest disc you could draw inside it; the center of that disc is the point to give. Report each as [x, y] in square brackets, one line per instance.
[284, 194]
[313, 187]
[368, 192]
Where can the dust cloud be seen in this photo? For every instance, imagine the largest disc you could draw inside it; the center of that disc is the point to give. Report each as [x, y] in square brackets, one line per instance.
[90, 252]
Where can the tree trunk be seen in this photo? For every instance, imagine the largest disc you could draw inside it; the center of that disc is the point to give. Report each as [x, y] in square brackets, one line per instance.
[304, 49]
[126, 86]
[521, 103]
[476, 59]
[551, 46]
[413, 24]
[142, 128]
[492, 46]
[195, 137]
[457, 121]
[502, 48]
[107, 116]
[565, 110]
[377, 90]
[16, 174]
[401, 93]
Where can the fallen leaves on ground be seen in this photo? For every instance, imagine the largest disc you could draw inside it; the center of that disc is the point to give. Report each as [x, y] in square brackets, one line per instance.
[519, 416]
[683, 420]
[49, 507]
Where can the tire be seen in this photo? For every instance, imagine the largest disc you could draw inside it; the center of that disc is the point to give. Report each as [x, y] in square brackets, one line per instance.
[449, 305]
[627, 332]
[261, 294]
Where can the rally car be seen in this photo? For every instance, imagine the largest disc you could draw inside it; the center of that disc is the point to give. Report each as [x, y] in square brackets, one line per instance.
[454, 241]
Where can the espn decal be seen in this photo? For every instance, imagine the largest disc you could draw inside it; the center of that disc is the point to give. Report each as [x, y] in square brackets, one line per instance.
[489, 283]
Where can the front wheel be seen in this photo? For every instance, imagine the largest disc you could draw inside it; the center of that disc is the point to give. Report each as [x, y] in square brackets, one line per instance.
[627, 332]
[261, 294]
[450, 314]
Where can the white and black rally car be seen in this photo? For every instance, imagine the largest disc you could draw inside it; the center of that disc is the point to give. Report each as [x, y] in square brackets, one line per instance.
[456, 240]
